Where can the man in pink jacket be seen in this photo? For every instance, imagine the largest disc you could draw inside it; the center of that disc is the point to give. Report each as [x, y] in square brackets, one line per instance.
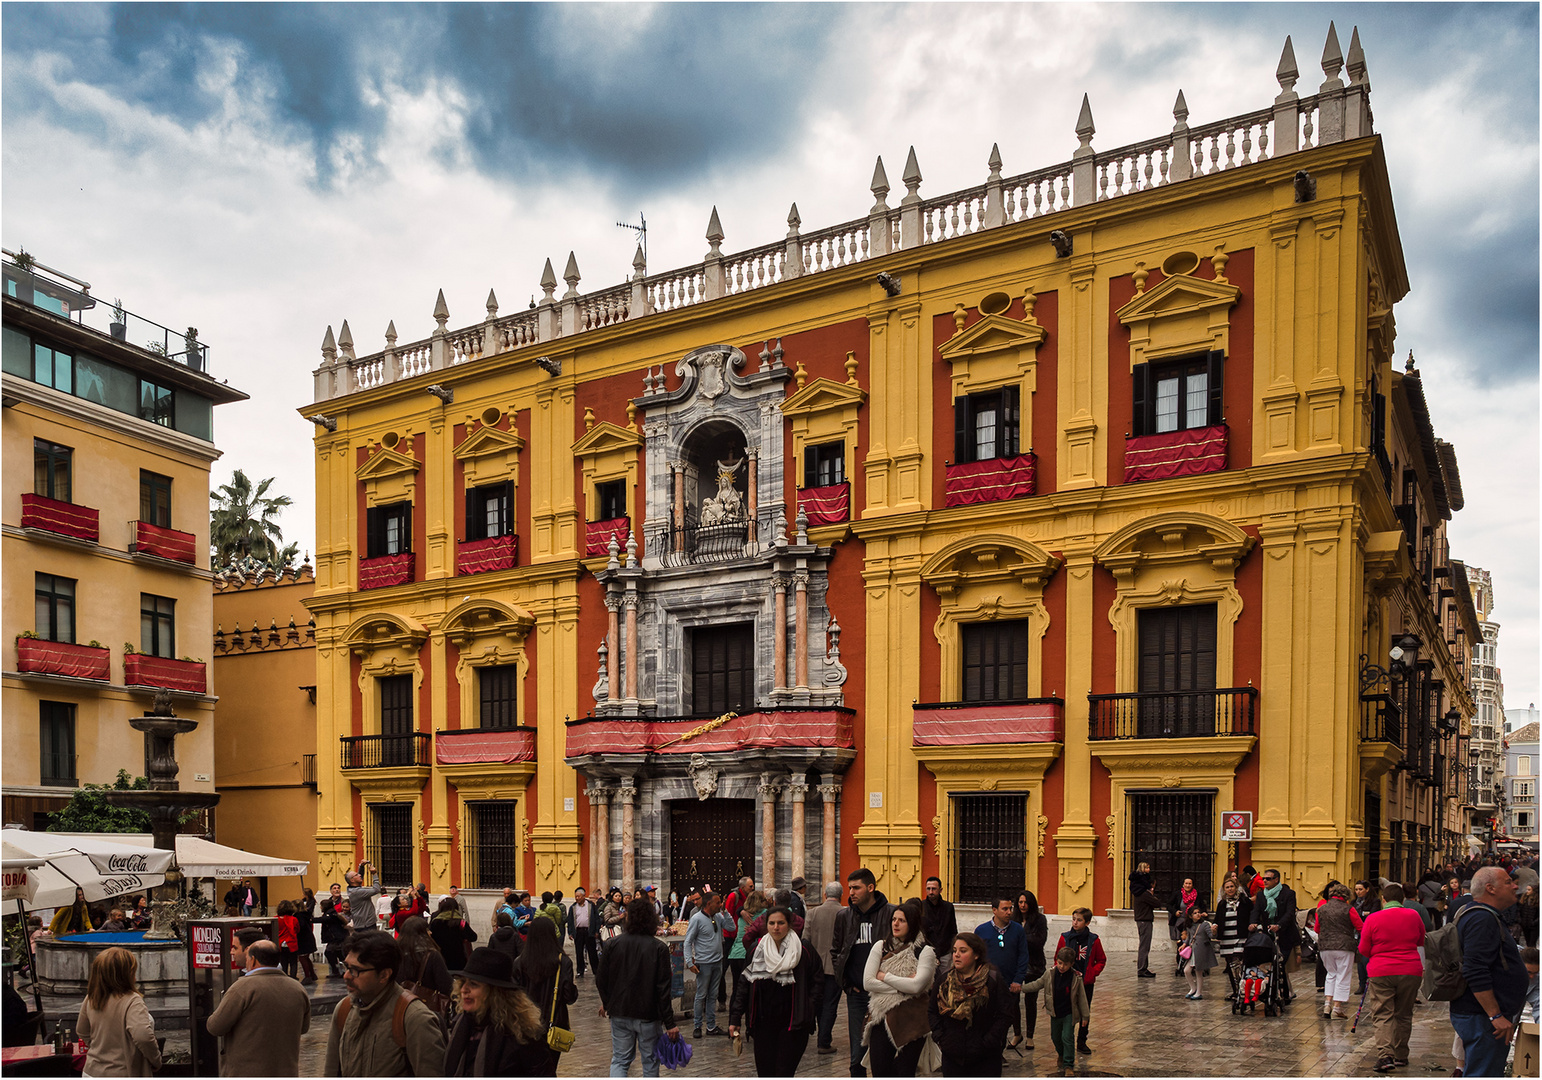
[1390, 941]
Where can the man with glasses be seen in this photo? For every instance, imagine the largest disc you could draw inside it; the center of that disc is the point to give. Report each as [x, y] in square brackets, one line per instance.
[1275, 909]
[362, 1039]
[1006, 946]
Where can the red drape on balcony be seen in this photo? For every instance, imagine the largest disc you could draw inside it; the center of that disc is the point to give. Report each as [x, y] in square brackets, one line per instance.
[826, 505]
[476, 745]
[141, 669]
[1175, 453]
[66, 519]
[483, 556]
[756, 730]
[597, 538]
[38, 657]
[384, 571]
[990, 481]
[976, 724]
[166, 543]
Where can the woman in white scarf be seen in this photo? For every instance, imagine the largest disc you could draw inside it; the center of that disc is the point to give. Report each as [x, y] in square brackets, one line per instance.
[771, 1002]
[898, 978]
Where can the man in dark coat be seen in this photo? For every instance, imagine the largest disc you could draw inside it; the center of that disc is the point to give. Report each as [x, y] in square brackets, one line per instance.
[939, 922]
[858, 928]
[1275, 909]
[1144, 906]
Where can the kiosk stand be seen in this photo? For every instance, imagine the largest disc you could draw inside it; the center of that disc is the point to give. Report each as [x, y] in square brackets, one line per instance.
[209, 975]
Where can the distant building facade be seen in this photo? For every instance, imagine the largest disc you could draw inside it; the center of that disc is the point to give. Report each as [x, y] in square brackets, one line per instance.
[1521, 766]
[1485, 763]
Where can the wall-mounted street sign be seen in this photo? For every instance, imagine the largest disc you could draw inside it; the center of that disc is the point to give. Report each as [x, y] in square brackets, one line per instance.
[1236, 825]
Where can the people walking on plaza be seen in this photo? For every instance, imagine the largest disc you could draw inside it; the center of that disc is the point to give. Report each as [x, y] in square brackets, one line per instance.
[1274, 908]
[305, 922]
[898, 978]
[738, 956]
[1006, 946]
[287, 934]
[1180, 912]
[703, 950]
[613, 914]
[498, 1031]
[798, 904]
[584, 929]
[757, 927]
[544, 972]
[634, 987]
[505, 938]
[336, 925]
[362, 1038]
[735, 900]
[243, 896]
[1338, 928]
[969, 1012]
[452, 933]
[1462, 898]
[859, 926]
[261, 1018]
[361, 897]
[1486, 1013]
[1143, 904]
[1202, 958]
[1232, 912]
[1090, 961]
[1390, 940]
[819, 935]
[423, 970]
[777, 996]
[114, 1019]
[1036, 931]
[74, 919]
[939, 921]
[1066, 1002]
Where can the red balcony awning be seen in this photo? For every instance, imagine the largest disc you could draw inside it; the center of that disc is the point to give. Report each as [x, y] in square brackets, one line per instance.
[828, 505]
[66, 519]
[142, 669]
[38, 657]
[972, 724]
[386, 570]
[598, 533]
[165, 543]
[1175, 453]
[990, 481]
[748, 731]
[485, 556]
[484, 746]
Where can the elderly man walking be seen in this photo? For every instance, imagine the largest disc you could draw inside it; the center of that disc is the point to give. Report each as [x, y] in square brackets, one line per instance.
[1486, 1013]
[261, 1018]
[819, 935]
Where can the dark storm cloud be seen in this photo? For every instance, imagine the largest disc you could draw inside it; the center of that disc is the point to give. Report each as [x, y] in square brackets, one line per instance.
[651, 95]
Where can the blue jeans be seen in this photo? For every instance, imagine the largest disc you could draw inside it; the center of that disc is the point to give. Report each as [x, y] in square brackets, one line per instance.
[1485, 1054]
[627, 1037]
[709, 977]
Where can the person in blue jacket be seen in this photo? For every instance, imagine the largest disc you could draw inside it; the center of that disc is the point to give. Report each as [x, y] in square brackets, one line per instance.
[1006, 946]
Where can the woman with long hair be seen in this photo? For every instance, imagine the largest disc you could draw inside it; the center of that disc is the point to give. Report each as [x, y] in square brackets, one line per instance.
[288, 937]
[115, 1021]
[898, 980]
[774, 996]
[452, 933]
[1231, 930]
[498, 1032]
[970, 1012]
[422, 964]
[545, 973]
[1036, 928]
[1366, 902]
[305, 919]
[739, 953]
[75, 919]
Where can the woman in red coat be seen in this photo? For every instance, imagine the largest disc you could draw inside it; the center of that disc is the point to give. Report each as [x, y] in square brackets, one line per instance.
[288, 938]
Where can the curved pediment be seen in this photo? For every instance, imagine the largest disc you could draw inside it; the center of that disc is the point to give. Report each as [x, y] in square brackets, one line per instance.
[1174, 537]
[479, 616]
[385, 629]
[988, 557]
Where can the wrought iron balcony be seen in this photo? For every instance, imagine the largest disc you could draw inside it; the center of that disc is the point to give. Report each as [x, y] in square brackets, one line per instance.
[1177, 714]
[1380, 719]
[387, 751]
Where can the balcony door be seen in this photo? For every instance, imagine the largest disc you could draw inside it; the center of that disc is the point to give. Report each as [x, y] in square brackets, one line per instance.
[396, 720]
[1177, 671]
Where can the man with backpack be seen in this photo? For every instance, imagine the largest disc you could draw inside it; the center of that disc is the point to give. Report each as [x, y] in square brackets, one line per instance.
[380, 1029]
[1485, 1011]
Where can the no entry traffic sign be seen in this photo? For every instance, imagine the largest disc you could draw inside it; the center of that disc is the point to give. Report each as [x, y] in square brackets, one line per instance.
[1236, 825]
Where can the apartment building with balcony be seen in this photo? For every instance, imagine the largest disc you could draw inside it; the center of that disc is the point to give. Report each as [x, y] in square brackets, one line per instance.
[1485, 759]
[1013, 535]
[105, 538]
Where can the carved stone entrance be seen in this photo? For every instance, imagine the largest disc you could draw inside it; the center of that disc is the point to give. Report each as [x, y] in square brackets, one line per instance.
[711, 842]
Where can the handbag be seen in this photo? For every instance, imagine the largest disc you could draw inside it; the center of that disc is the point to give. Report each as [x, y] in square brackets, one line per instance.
[1186, 952]
[560, 1040]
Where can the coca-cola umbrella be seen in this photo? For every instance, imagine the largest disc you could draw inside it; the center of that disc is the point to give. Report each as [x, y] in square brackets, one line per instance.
[20, 872]
[101, 866]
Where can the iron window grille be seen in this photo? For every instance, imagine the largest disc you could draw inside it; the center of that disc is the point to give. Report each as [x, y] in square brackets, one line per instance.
[489, 511]
[155, 499]
[990, 845]
[55, 608]
[157, 625]
[51, 470]
[824, 465]
[722, 669]
[995, 657]
[56, 744]
[388, 842]
[1175, 833]
[492, 855]
[498, 686]
[986, 425]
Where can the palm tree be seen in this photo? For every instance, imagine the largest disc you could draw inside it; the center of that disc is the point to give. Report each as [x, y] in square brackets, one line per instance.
[242, 521]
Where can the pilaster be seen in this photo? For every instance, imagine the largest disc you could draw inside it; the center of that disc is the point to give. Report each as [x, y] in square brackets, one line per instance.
[1075, 840]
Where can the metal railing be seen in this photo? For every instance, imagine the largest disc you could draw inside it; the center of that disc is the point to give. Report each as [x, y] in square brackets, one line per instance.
[1175, 714]
[308, 770]
[386, 751]
[1380, 719]
[724, 541]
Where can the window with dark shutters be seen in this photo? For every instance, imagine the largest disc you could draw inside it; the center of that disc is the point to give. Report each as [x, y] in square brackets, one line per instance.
[498, 689]
[995, 660]
[489, 511]
[51, 470]
[155, 499]
[723, 669]
[1177, 656]
[1177, 395]
[388, 530]
[611, 497]
[396, 744]
[986, 425]
[824, 465]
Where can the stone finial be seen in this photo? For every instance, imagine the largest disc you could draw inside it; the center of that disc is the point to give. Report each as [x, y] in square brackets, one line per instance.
[994, 163]
[879, 187]
[639, 265]
[714, 235]
[571, 276]
[441, 313]
[960, 317]
[1219, 261]
[631, 414]
[345, 342]
[1030, 301]
[851, 369]
[1286, 73]
[1409, 367]
[1085, 129]
[793, 221]
[777, 354]
[911, 179]
[1180, 113]
[800, 375]
[390, 334]
[1356, 65]
[548, 284]
[802, 522]
[1332, 61]
[328, 346]
[631, 549]
[1140, 276]
[492, 306]
[613, 549]
[588, 419]
[765, 356]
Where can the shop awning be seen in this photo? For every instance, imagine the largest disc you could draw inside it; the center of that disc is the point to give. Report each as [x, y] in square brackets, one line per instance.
[197, 857]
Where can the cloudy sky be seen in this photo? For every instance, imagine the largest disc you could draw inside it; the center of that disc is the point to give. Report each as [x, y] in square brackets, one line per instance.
[262, 171]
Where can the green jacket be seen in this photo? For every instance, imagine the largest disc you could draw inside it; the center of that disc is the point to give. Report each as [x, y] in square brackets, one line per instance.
[554, 912]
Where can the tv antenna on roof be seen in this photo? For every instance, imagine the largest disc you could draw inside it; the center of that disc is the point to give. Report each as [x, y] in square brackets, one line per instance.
[641, 231]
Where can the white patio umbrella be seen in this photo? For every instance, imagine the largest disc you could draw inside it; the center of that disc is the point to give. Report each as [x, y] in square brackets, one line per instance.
[20, 873]
[100, 866]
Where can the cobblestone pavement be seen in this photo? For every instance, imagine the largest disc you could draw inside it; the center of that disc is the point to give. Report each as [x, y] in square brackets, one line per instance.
[1140, 1027]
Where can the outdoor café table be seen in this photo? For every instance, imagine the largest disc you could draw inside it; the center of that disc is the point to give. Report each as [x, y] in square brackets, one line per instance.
[20, 1057]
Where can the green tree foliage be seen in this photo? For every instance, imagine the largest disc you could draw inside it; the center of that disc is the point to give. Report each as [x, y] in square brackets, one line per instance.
[243, 522]
[89, 811]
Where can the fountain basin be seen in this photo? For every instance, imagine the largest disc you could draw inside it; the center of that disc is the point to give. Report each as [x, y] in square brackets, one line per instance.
[64, 964]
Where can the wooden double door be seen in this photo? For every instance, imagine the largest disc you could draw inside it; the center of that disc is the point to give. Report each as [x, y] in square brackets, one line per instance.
[711, 842]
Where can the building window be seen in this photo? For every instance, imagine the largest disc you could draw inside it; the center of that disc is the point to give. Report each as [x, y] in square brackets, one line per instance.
[1177, 395]
[611, 499]
[1523, 765]
[1173, 832]
[388, 843]
[824, 465]
[985, 426]
[1177, 668]
[389, 530]
[1522, 790]
[56, 744]
[155, 499]
[489, 511]
[499, 691]
[51, 470]
[1522, 820]
[53, 368]
[491, 859]
[723, 669]
[396, 717]
[157, 625]
[990, 846]
[156, 403]
[55, 609]
[995, 660]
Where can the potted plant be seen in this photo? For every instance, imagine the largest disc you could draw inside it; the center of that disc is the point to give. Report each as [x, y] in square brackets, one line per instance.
[119, 325]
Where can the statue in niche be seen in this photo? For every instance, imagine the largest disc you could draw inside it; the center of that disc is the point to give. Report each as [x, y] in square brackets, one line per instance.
[728, 505]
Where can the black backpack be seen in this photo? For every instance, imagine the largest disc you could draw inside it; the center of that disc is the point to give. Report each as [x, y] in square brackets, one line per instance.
[1443, 958]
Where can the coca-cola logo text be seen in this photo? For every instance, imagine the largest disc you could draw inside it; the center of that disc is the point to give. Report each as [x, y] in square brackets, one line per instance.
[128, 864]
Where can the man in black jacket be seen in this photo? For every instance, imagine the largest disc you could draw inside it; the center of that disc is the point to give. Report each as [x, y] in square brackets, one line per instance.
[584, 928]
[1275, 908]
[857, 929]
[634, 986]
[939, 922]
[1144, 906]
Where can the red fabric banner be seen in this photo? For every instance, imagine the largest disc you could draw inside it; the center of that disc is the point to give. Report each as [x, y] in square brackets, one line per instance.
[66, 519]
[597, 540]
[39, 657]
[141, 669]
[972, 725]
[483, 556]
[748, 731]
[990, 481]
[826, 505]
[166, 543]
[386, 570]
[479, 745]
[1175, 453]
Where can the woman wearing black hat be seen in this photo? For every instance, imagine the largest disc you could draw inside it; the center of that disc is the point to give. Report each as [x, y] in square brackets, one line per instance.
[499, 1031]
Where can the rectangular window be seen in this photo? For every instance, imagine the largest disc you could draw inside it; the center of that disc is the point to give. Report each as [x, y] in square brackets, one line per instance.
[389, 530]
[499, 692]
[985, 426]
[397, 745]
[55, 609]
[824, 465]
[723, 669]
[53, 368]
[995, 660]
[1177, 395]
[489, 511]
[990, 846]
[155, 499]
[388, 843]
[1522, 790]
[1174, 833]
[51, 470]
[611, 498]
[156, 403]
[17, 352]
[56, 744]
[157, 625]
[492, 856]
[1176, 648]
[1523, 821]
[106, 384]
[1523, 765]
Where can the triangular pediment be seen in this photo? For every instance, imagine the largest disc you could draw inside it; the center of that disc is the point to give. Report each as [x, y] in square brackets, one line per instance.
[823, 395]
[488, 440]
[387, 462]
[1179, 295]
[993, 333]
[606, 437]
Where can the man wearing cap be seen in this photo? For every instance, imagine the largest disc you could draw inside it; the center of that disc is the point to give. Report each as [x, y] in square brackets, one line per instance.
[652, 896]
[796, 904]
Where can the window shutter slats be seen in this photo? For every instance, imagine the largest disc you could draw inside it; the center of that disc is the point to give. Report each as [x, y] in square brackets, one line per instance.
[1215, 373]
[963, 431]
[1140, 380]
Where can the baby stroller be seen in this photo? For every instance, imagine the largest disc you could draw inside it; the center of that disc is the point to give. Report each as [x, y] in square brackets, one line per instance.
[1262, 979]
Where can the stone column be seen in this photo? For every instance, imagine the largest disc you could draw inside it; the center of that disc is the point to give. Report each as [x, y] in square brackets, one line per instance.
[613, 649]
[599, 838]
[830, 793]
[797, 790]
[627, 793]
[751, 511]
[770, 784]
[679, 523]
[631, 645]
[800, 629]
[779, 632]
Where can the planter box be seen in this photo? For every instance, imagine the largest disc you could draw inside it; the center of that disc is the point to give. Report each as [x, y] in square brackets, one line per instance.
[66, 519]
[38, 657]
[165, 543]
[485, 556]
[141, 669]
[386, 570]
